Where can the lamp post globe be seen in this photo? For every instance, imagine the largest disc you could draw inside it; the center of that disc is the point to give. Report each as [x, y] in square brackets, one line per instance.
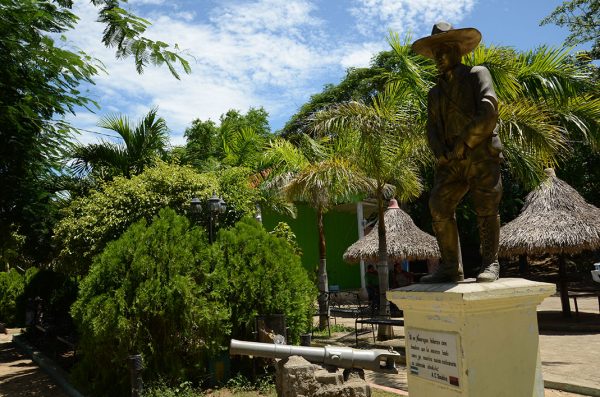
[195, 205]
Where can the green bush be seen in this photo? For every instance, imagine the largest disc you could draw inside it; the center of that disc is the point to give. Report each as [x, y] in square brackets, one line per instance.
[12, 285]
[264, 276]
[57, 291]
[161, 389]
[90, 222]
[150, 292]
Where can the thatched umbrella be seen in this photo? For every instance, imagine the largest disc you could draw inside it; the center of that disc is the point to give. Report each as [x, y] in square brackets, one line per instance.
[554, 220]
[404, 239]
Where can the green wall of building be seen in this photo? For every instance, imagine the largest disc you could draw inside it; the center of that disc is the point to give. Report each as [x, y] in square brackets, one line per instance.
[340, 232]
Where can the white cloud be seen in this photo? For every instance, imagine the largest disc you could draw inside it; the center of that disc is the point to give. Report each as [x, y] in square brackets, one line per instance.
[407, 15]
[238, 63]
[360, 55]
[270, 53]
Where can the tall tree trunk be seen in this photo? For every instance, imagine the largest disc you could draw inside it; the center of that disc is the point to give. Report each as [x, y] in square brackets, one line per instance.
[322, 274]
[384, 332]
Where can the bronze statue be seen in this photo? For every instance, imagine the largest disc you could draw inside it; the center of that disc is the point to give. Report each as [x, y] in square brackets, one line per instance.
[462, 133]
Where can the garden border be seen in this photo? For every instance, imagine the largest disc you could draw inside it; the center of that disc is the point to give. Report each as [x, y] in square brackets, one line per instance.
[54, 371]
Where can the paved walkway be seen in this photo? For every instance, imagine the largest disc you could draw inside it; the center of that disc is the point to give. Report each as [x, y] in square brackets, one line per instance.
[21, 377]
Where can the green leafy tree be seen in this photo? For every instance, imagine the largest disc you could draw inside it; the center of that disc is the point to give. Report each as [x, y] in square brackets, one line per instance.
[387, 149]
[39, 85]
[88, 223]
[12, 285]
[322, 178]
[236, 141]
[359, 84]
[142, 145]
[151, 292]
[264, 276]
[202, 148]
[545, 100]
[582, 20]
[284, 231]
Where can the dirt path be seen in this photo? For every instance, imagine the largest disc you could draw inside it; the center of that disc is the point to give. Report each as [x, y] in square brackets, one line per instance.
[21, 377]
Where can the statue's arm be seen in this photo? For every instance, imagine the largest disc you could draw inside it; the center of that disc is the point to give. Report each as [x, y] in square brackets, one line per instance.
[486, 116]
[433, 125]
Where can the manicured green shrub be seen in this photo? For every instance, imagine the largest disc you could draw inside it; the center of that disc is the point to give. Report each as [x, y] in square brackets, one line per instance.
[264, 276]
[12, 285]
[151, 292]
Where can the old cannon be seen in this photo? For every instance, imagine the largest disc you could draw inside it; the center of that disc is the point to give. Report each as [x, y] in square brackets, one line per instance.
[335, 356]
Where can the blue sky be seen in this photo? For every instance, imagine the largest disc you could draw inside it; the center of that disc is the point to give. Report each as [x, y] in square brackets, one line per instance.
[276, 53]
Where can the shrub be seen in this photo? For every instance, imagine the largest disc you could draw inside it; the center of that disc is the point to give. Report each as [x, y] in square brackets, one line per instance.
[57, 291]
[90, 222]
[150, 292]
[264, 276]
[12, 285]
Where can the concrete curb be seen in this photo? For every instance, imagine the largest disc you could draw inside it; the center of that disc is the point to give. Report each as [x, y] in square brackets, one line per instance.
[55, 372]
[389, 389]
[571, 388]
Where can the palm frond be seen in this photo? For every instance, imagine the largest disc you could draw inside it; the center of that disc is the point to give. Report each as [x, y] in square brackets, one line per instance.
[96, 156]
[282, 156]
[546, 73]
[411, 69]
[244, 146]
[531, 126]
[327, 183]
[581, 117]
[500, 62]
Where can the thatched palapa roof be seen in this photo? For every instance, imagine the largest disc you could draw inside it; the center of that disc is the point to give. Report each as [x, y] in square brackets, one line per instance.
[404, 240]
[554, 220]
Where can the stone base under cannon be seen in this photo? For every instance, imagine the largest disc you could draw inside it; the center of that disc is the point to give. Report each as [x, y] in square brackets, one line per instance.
[296, 377]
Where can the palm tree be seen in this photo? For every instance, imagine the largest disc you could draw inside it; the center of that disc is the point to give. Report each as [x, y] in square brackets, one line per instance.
[141, 145]
[387, 150]
[545, 101]
[321, 175]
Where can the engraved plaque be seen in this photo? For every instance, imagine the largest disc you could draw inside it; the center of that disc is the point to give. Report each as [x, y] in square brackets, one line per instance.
[433, 355]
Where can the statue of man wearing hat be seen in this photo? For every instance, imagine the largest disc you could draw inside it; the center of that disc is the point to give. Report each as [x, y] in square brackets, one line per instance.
[462, 133]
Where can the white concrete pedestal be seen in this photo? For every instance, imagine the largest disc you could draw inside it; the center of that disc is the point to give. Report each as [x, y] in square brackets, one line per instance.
[473, 339]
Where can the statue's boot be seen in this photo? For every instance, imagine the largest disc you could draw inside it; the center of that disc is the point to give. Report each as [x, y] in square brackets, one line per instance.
[450, 268]
[489, 234]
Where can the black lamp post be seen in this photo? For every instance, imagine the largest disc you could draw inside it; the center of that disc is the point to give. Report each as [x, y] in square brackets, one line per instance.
[216, 206]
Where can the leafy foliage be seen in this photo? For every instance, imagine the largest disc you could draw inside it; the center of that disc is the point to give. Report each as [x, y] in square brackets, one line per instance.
[12, 285]
[151, 292]
[38, 85]
[581, 17]
[284, 231]
[264, 276]
[56, 293]
[124, 32]
[142, 145]
[236, 141]
[90, 222]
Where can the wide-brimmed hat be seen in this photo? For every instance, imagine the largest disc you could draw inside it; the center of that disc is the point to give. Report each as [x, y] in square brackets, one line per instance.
[466, 39]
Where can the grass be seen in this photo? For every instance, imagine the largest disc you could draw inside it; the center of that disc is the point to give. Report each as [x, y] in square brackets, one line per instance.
[334, 328]
[238, 386]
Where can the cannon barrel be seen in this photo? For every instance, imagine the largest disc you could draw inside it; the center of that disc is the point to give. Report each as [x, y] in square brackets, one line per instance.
[338, 356]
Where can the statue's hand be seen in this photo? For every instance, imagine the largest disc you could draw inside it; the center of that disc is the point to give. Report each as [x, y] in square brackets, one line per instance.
[459, 152]
[444, 158]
